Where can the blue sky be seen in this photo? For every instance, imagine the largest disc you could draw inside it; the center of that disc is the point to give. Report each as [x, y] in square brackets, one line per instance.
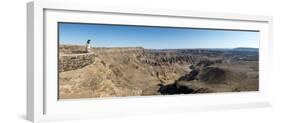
[102, 35]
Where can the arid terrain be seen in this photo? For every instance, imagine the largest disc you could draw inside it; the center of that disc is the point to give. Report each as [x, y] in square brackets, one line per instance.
[135, 71]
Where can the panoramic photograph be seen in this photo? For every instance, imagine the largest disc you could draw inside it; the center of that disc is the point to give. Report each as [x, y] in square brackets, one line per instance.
[107, 60]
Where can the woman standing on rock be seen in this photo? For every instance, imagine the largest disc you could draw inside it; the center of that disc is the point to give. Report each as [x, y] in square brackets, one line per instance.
[88, 46]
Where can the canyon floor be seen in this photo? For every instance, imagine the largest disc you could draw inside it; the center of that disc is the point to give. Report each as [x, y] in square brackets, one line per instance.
[120, 72]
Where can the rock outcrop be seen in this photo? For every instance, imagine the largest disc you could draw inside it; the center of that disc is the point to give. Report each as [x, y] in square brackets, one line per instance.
[69, 62]
[213, 75]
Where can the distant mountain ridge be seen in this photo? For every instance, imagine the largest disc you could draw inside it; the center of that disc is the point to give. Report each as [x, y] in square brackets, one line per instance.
[249, 49]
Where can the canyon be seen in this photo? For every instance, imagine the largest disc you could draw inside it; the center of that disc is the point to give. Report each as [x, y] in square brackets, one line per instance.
[135, 71]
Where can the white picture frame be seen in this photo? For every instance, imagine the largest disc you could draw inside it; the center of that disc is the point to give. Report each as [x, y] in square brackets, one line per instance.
[42, 100]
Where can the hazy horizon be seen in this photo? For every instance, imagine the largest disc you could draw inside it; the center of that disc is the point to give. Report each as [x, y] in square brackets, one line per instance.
[162, 48]
[109, 36]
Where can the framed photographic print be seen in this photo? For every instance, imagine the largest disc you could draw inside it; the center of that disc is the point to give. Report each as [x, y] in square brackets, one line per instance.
[92, 61]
